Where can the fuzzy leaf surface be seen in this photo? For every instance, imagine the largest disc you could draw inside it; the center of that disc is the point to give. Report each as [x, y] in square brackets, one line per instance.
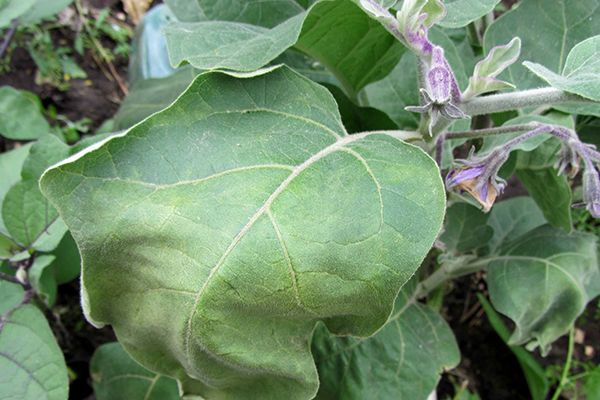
[581, 74]
[462, 12]
[543, 281]
[215, 234]
[32, 366]
[117, 377]
[402, 361]
[465, 228]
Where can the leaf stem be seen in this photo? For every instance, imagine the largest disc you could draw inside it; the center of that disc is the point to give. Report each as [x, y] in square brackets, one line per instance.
[563, 378]
[445, 274]
[512, 101]
[8, 36]
[479, 133]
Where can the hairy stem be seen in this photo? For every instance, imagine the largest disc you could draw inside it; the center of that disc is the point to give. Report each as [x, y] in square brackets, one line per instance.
[445, 274]
[515, 100]
[563, 378]
[479, 133]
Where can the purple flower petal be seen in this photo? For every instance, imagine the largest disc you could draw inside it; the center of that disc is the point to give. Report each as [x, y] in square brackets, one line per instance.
[454, 177]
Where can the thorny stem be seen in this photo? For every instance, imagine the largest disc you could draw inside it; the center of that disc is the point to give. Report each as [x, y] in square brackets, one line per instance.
[512, 101]
[563, 378]
[9, 35]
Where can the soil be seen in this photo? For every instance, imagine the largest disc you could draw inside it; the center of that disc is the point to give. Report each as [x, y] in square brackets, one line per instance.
[490, 368]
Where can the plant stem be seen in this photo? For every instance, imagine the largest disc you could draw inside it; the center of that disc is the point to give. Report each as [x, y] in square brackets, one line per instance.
[473, 35]
[445, 274]
[479, 133]
[8, 36]
[512, 101]
[563, 378]
[9, 278]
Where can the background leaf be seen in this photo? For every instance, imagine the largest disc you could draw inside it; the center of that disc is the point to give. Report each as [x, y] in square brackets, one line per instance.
[234, 229]
[465, 228]
[548, 30]
[32, 365]
[402, 361]
[117, 377]
[42, 279]
[543, 281]
[11, 163]
[462, 12]
[20, 116]
[581, 74]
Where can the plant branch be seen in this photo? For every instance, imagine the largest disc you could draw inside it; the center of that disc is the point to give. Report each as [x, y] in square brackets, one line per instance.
[445, 274]
[479, 133]
[8, 36]
[512, 101]
[563, 378]
[9, 278]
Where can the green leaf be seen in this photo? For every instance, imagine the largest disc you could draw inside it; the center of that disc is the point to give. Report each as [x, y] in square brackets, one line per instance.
[42, 279]
[463, 12]
[465, 228]
[152, 95]
[215, 234]
[592, 384]
[117, 377]
[552, 194]
[534, 373]
[402, 361]
[43, 10]
[548, 30]
[32, 366]
[67, 265]
[13, 9]
[581, 74]
[359, 119]
[20, 116]
[338, 34]
[543, 281]
[30, 219]
[261, 13]
[11, 163]
[513, 218]
[186, 10]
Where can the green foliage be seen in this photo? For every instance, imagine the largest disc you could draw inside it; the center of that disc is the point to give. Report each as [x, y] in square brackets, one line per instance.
[20, 115]
[30, 11]
[31, 362]
[463, 12]
[414, 346]
[117, 377]
[465, 229]
[322, 227]
[581, 73]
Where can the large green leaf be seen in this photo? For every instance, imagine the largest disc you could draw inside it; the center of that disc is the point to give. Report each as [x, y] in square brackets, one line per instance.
[402, 361]
[32, 366]
[215, 234]
[186, 10]
[534, 373]
[513, 218]
[548, 31]
[20, 116]
[463, 12]
[117, 377]
[43, 10]
[581, 74]
[152, 95]
[543, 281]
[355, 47]
[465, 228]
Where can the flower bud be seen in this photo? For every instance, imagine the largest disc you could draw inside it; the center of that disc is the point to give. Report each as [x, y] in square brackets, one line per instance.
[591, 191]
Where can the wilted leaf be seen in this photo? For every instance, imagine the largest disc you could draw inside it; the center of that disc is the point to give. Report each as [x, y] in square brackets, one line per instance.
[215, 234]
[117, 377]
[402, 361]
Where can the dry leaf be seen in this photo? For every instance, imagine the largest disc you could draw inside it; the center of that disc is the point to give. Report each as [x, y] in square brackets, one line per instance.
[136, 8]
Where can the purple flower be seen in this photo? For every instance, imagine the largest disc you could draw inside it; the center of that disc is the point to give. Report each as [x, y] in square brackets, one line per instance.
[467, 179]
[568, 160]
[479, 176]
